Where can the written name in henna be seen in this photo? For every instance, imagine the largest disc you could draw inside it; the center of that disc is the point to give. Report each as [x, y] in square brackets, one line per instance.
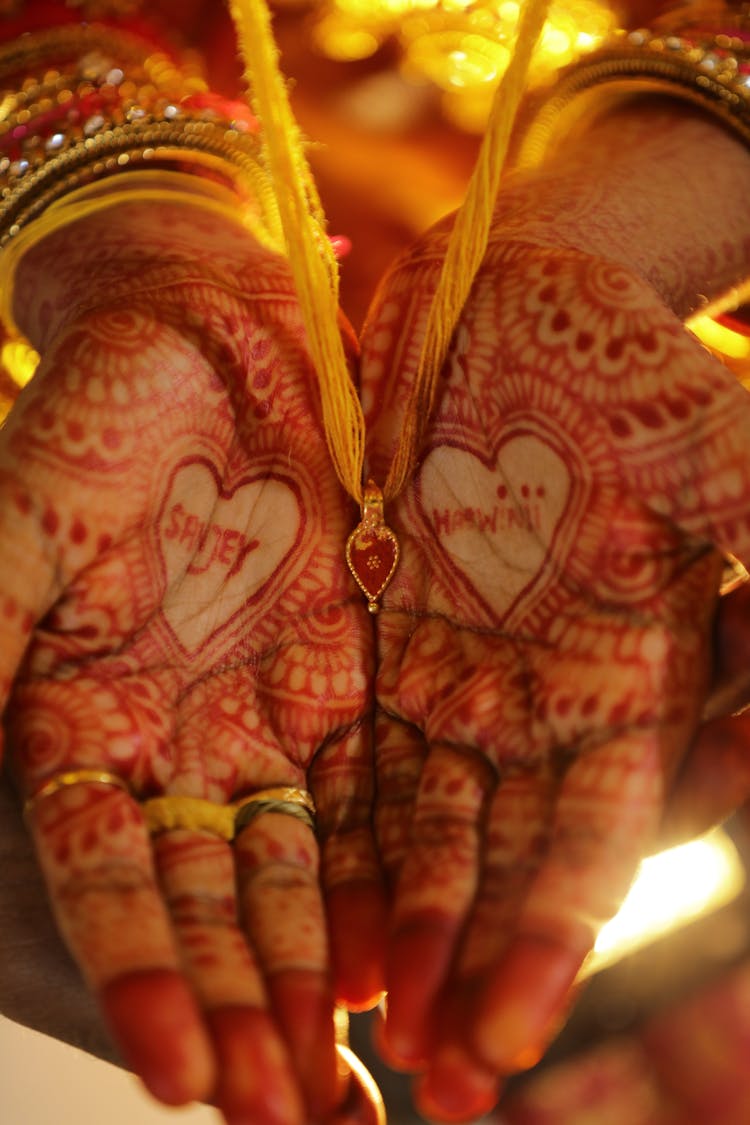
[211, 542]
[523, 517]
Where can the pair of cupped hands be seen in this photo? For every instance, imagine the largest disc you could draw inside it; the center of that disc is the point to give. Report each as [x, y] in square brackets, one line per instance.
[490, 756]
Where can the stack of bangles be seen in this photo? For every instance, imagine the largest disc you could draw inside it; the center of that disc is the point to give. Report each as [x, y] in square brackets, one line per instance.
[168, 813]
[85, 101]
[704, 60]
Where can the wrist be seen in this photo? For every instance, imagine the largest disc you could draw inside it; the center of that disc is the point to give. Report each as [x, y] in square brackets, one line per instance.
[151, 237]
[641, 187]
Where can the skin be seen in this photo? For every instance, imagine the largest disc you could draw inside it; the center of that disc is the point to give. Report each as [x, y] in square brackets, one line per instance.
[544, 651]
[684, 1064]
[521, 912]
[175, 611]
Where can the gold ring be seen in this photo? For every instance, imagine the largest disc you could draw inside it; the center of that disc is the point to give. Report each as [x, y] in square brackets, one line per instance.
[298, 803]
[73, 777]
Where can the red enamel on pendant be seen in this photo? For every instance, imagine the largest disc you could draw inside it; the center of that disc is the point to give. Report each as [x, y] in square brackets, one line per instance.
[372, 550]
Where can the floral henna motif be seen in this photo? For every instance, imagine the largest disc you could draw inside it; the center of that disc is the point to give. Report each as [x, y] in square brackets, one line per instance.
[547, 635]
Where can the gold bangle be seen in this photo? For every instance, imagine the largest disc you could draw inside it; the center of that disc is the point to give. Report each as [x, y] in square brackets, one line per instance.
[72, 777]
[200, 143]
[708, 69]
[195, 814]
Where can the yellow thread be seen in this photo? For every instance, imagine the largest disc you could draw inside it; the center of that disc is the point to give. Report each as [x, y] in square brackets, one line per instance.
[313, 264]
[310, 254]
[466, 248]
[164, 814]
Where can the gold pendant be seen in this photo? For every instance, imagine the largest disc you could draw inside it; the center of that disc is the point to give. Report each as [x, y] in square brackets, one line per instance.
[372, 550]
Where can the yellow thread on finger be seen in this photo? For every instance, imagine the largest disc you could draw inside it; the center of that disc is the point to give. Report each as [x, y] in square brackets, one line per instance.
[194, 814]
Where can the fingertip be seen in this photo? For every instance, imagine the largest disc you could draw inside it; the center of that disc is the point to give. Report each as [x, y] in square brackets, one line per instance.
[525, 1003]
[156, 1024]
[418, 962]
[387, 1053]
[255, 1083]
[357, 919]
[456, 1088]
[303, 1005]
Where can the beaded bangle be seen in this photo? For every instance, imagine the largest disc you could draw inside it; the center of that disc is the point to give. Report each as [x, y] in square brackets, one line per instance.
[84, 101]
[708, 68]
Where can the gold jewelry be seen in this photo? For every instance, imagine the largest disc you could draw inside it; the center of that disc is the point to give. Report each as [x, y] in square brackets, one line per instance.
[72, 777]
[372, 550]
[292, 802]
[83, 102]
[165, 814]
[710, 69]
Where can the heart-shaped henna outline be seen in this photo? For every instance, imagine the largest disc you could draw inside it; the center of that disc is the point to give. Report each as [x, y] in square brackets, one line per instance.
[227, 557]
[504, 524]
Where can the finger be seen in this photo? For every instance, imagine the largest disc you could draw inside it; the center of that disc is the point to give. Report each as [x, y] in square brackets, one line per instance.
[435, 891]
[282, 910]
[400, 754]
[456, 1086]
[607, 812]
[255, 1080]
[27, 562]
[96, 858]
[342, 781]
[714, 780]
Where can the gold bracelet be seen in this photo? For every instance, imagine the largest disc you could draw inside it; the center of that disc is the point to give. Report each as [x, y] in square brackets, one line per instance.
[72, 777]
[166, 814]
[710, 69]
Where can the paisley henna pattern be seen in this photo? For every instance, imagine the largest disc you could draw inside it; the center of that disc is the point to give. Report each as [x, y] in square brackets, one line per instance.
[544, 645]
[168, 492]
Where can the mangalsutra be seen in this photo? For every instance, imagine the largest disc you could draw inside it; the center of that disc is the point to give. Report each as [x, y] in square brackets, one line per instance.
[372, 550]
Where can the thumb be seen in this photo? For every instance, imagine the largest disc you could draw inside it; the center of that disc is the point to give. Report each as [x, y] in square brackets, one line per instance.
[29, 574]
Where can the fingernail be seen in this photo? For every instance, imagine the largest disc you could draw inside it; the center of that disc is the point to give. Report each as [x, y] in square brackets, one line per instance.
[456, 1088]
[525, 1004]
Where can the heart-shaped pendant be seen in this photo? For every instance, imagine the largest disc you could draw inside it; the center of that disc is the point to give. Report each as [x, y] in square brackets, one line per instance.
[372, 549]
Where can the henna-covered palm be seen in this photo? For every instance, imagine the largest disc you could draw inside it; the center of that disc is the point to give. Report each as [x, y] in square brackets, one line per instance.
[173, 588]
[544, 648]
